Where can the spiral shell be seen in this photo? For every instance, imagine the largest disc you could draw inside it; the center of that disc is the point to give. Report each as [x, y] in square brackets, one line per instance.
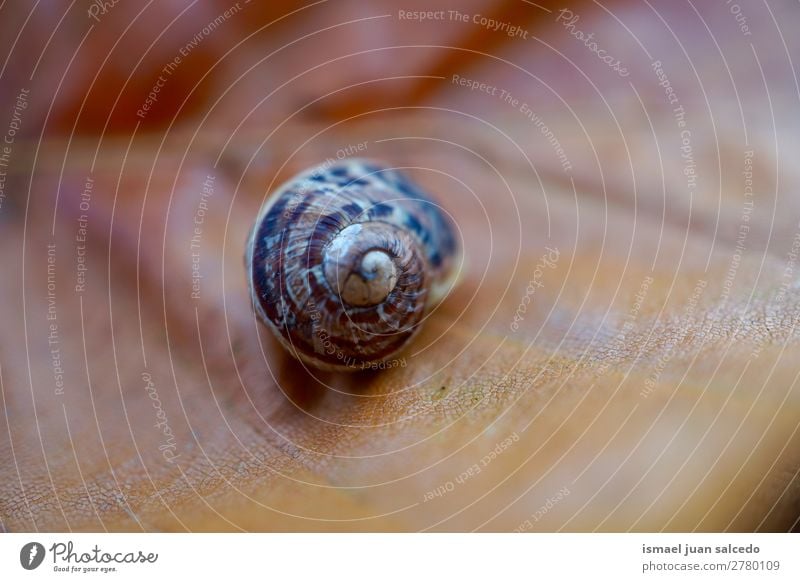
[344, 261]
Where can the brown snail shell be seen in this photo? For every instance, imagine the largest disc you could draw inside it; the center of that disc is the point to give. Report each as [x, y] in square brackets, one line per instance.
[344, 261]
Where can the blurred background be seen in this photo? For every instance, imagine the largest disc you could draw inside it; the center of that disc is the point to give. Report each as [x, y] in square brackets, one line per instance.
[620, 355]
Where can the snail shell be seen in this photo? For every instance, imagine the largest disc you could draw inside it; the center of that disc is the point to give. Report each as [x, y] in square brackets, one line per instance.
[344, 261]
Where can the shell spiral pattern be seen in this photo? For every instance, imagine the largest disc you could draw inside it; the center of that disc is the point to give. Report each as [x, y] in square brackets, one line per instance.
[344, 261]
